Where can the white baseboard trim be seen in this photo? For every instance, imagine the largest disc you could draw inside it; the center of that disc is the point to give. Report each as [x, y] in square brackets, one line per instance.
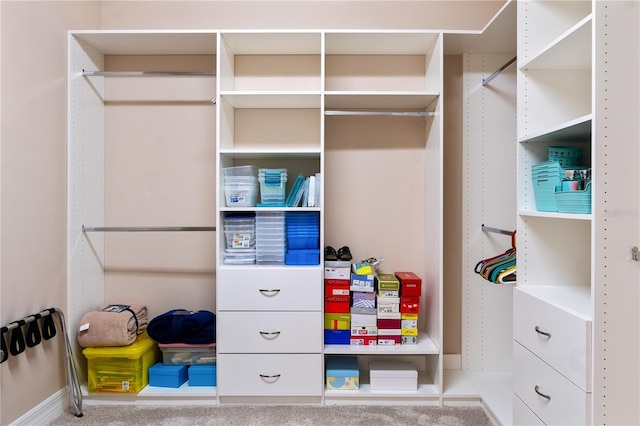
[46, 411]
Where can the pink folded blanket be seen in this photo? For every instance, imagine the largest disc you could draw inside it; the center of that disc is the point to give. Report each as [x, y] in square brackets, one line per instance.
[112, 325]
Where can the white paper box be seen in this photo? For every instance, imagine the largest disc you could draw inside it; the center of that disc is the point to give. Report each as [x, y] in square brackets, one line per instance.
[393, 376]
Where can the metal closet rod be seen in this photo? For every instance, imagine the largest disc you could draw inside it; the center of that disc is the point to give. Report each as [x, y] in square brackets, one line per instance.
[143, 73]
[493, 75]
[496, 230]
[391, 113]
[147, 228]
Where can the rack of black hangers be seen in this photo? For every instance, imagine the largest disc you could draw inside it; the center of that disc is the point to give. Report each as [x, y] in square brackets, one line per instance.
[41, 326]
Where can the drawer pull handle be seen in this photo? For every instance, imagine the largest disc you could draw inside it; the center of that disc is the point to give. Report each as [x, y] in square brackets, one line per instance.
[537, 389]
[544, 333]
[268, 292]
[270, 334]
[270, 377]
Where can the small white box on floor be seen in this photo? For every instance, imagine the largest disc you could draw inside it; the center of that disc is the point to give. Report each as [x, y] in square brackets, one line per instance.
[393, 376]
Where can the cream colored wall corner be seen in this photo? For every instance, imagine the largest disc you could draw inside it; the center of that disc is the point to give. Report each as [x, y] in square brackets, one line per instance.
[33, 194]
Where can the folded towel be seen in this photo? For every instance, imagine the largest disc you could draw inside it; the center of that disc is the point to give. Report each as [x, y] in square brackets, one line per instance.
[183, 326]
[112, 325]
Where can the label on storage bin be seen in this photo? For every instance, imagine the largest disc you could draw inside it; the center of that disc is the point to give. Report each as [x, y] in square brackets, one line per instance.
[125, 385]
[241, 240]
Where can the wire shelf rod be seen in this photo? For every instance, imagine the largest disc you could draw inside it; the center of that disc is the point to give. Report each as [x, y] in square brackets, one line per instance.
[148, 228]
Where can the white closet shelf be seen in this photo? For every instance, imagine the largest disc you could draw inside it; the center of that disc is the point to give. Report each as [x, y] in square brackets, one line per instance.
[268, 99]
[425, 346]
[380, 100]
[578, 128]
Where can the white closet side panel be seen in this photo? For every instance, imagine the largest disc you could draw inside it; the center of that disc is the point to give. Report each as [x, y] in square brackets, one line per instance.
[489, 198]
[85, 252]
[616, 341]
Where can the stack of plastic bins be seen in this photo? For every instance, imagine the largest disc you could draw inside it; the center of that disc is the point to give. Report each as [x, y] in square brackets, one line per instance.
[240, 186]
[546, 177]
[272, 186]
[270, 238]
[240, 237]
[303, 238]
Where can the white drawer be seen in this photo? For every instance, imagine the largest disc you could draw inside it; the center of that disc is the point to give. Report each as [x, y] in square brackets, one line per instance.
[567, 348]
[269, 289]
[270, 375]
[522, 415]
[567, 404]
[269, 332]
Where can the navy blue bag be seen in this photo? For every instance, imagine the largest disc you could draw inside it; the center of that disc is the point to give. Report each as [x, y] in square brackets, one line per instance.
[183, 326]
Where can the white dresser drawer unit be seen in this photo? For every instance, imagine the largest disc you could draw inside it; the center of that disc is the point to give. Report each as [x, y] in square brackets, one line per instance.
[270, 375]
[553, 398]
[559, 337]
[522, 415]
[269, 332]
[269, 289]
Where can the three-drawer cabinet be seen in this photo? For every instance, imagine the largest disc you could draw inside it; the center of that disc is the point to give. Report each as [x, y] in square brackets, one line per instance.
[551, 360]
[269, 338]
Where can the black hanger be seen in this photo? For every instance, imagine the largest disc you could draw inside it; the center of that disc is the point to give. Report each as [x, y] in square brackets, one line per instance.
[48, 326]
[33, 336]
[17, 345]
[5, 350]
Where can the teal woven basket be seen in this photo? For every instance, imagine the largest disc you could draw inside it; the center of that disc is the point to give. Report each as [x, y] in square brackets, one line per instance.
[574, 201]
[567, 156]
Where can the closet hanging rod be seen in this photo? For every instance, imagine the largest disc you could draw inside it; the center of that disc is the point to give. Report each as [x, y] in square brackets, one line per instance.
[147, 228]
[145, 73]
[486, 81]
[391, 113]
[496, 230]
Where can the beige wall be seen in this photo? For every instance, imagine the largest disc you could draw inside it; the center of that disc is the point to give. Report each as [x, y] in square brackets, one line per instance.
[33, 138]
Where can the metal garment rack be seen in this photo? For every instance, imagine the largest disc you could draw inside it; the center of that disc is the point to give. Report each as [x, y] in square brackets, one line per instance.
[148, 228]
[493, 75]
[385, 113]
[73, 384]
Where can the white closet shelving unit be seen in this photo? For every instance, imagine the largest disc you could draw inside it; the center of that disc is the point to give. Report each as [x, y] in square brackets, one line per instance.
[270, 116]
[119, 214]
[376, 85]
[278, 95]
[576, 83]
[484, 369]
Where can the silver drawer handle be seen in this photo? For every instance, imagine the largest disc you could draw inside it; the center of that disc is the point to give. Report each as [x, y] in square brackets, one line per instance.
[544, 333]
[537, 389]
[270, 377]
[269, 292]
[269, 333]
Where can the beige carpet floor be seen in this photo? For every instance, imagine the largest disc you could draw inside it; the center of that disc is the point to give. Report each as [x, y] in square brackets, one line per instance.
[291, 415]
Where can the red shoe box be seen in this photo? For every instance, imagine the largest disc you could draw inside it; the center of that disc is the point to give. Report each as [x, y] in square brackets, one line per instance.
[337, 304]
[409, 305]
[410, 284]
[335, 287]
[389, 323]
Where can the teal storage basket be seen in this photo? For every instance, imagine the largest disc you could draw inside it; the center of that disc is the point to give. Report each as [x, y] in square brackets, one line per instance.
[546, 178]
[567, 156]
[574, 201]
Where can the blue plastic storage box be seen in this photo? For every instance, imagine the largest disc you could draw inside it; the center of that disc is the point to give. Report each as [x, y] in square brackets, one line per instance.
[202, 375]
[167, 376]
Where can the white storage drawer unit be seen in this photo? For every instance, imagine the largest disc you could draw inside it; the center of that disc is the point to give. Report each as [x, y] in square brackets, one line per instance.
[270, 289]
[566, 346]
[550, 395]
[522, 415]
[270, 332]
[270, 375]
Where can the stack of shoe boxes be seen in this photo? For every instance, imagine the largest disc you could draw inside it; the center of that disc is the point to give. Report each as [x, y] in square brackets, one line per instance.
[389, 319]
[410, 292]
[337, 302]
[364, 327]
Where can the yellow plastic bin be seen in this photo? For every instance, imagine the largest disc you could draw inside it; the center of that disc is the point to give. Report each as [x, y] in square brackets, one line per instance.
[122, 369]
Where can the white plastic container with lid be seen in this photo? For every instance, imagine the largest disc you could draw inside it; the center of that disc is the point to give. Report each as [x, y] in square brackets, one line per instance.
[393, 375]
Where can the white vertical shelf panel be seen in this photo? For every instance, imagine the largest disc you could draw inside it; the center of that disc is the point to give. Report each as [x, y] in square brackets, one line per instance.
[616, 213]
[85, 185]
[489, 191]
